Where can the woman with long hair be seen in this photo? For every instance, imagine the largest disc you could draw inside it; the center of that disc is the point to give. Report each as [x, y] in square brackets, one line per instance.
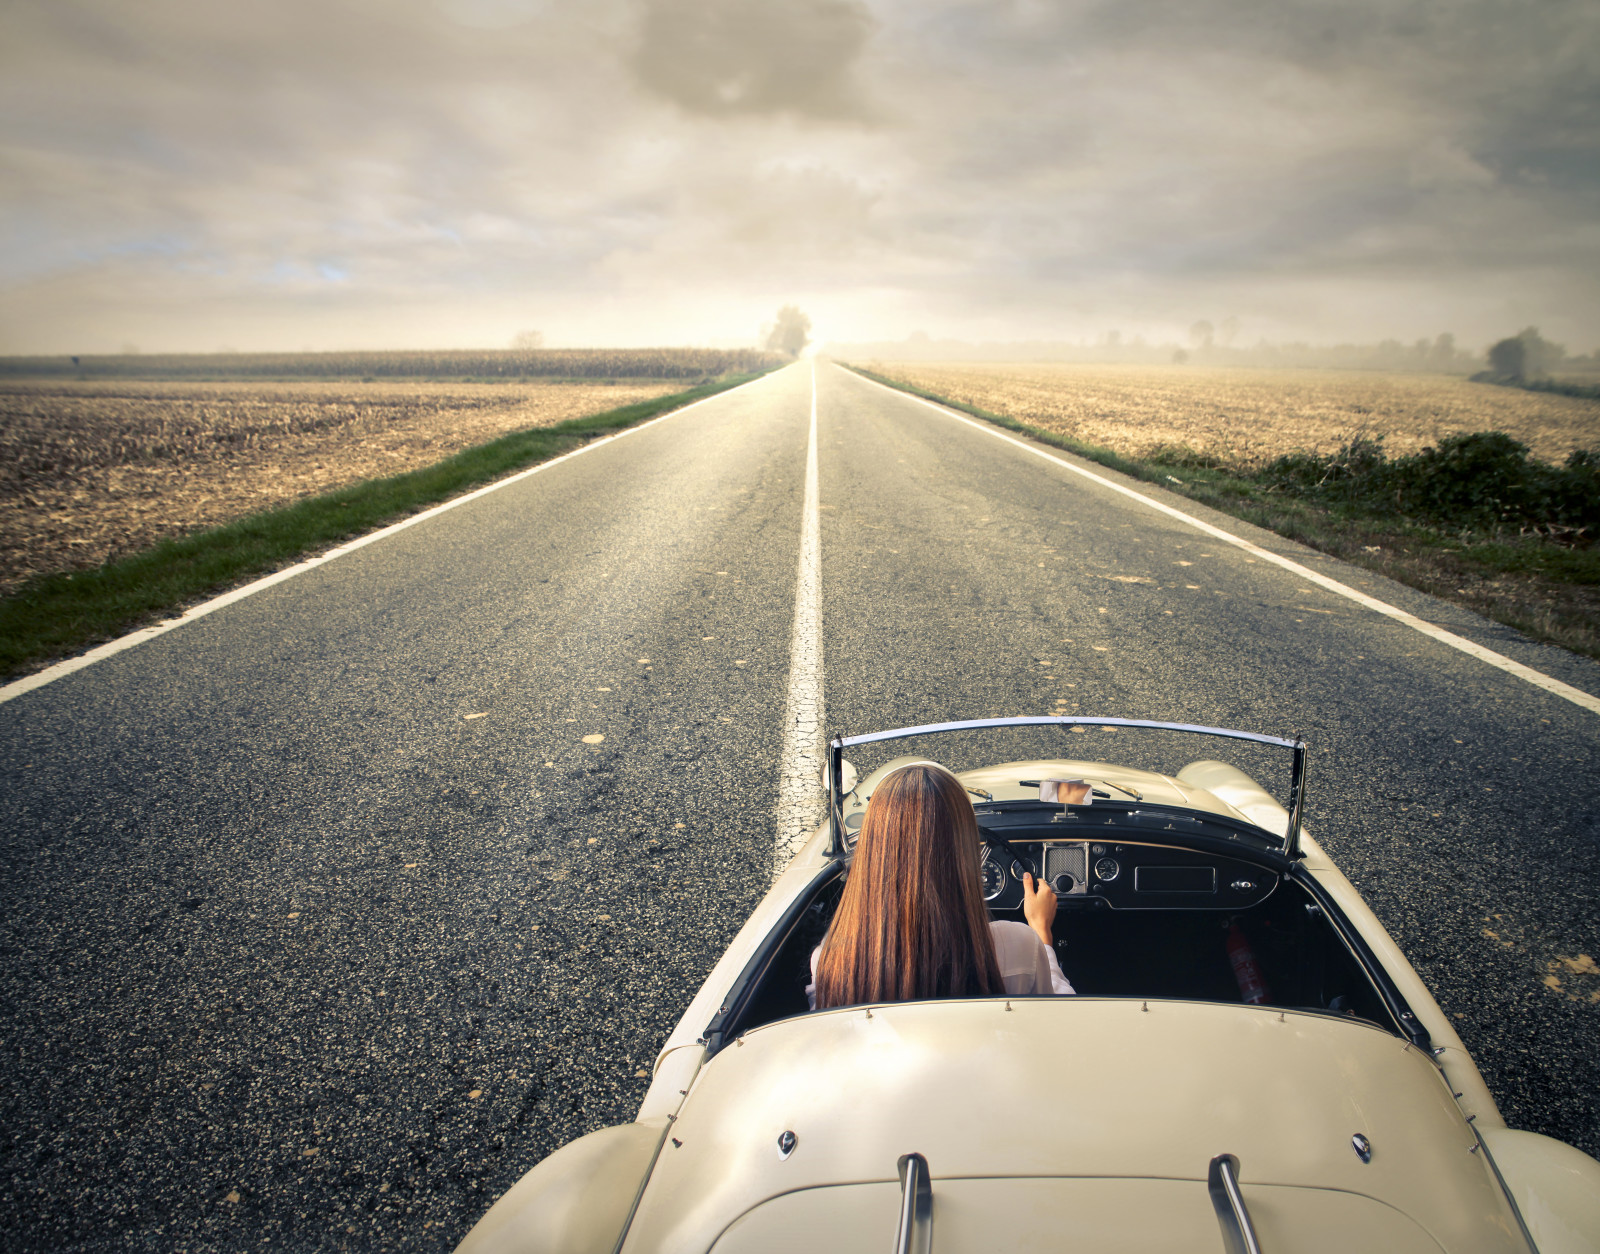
[911, 923]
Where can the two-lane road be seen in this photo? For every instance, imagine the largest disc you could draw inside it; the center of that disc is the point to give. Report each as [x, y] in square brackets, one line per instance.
[328, 914]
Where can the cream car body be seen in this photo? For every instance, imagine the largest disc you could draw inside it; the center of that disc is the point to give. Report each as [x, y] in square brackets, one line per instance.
[1108, 1123]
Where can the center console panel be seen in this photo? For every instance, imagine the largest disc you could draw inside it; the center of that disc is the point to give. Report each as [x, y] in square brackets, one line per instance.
[1124, 875]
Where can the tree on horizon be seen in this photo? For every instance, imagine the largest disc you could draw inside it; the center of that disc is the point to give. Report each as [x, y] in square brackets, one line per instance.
[790, 332]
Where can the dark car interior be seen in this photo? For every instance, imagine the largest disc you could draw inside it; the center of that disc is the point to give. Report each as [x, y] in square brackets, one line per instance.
[1134, 919]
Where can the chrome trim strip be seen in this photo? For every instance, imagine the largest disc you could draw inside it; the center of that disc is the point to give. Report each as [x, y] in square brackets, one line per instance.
[1222, 1181]
[914, 1234]
[1511, 1201]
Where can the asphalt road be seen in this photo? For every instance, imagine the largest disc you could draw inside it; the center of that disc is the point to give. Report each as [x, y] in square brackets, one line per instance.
[322, 921]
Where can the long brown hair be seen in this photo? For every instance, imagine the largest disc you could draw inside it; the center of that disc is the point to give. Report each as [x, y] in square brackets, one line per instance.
[911, 923]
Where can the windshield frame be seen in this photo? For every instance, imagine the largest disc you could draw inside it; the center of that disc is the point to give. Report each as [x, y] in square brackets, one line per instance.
[1289, 846]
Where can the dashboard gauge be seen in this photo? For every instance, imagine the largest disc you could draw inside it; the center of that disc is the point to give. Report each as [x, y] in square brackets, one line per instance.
[994, 878]
[1107, 869]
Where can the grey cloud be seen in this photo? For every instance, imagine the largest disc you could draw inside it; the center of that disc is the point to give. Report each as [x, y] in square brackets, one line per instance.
[1514, 82]
[184, 174]
[1192, 117]
[730, 57]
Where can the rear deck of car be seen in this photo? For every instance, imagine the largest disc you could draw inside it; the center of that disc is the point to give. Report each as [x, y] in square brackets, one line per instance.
[1070, 1123]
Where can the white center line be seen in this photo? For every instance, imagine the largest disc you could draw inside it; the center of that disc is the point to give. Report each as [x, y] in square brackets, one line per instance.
[1537, 678]
[800, 799]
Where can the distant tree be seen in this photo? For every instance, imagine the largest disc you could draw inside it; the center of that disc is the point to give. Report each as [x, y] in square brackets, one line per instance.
[1228, 330]
[527, 341]
[1443, 352]
[790, 332]
[1509, 357]
[1544, 357]
[1526, 355]
[1202, 333]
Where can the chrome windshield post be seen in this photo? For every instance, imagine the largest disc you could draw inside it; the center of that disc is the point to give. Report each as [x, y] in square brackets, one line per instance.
[1238, 1233]
[914, 1235]
[1297, 800]
[835, 798]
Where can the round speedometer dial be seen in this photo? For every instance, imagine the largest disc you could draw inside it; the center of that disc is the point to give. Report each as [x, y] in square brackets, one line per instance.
[994, 877]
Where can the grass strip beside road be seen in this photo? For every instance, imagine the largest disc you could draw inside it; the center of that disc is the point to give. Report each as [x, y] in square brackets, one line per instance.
[1547, 590]
[55, 615]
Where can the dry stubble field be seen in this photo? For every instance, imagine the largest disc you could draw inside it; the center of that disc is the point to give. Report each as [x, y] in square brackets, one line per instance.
[91, 471]
[1248, 417]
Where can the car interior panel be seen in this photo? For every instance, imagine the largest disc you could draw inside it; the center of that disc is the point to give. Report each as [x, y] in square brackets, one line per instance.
[1134, 920]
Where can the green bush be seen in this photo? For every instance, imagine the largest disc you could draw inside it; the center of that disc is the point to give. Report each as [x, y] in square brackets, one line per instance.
[1484, 480]
[1351, 474]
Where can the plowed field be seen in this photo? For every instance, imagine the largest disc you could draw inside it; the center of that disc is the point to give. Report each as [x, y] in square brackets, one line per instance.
[1247, 417]
[90, 471]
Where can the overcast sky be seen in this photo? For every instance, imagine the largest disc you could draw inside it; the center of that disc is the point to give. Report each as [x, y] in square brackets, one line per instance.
[281, 174]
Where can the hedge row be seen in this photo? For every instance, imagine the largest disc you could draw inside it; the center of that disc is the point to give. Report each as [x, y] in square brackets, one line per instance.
[1482, 480]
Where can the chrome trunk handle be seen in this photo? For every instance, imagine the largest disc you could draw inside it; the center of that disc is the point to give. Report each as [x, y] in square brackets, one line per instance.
[915, 1232]
[1238, 1233]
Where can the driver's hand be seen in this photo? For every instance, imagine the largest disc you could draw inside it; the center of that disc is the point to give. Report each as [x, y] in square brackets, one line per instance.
[1039, 907]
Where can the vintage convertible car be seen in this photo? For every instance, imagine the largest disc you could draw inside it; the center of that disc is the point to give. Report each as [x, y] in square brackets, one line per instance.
[1249, 1062]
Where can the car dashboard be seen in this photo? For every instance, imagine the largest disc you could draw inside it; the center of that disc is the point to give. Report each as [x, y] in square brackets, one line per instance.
[1137, 857]
[1123, 875]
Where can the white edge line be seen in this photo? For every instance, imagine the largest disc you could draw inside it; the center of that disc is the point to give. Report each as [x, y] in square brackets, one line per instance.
[112, 647]
[1512, 667]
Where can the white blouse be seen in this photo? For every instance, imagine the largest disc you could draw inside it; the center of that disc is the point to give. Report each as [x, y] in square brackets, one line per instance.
[1027, 964]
